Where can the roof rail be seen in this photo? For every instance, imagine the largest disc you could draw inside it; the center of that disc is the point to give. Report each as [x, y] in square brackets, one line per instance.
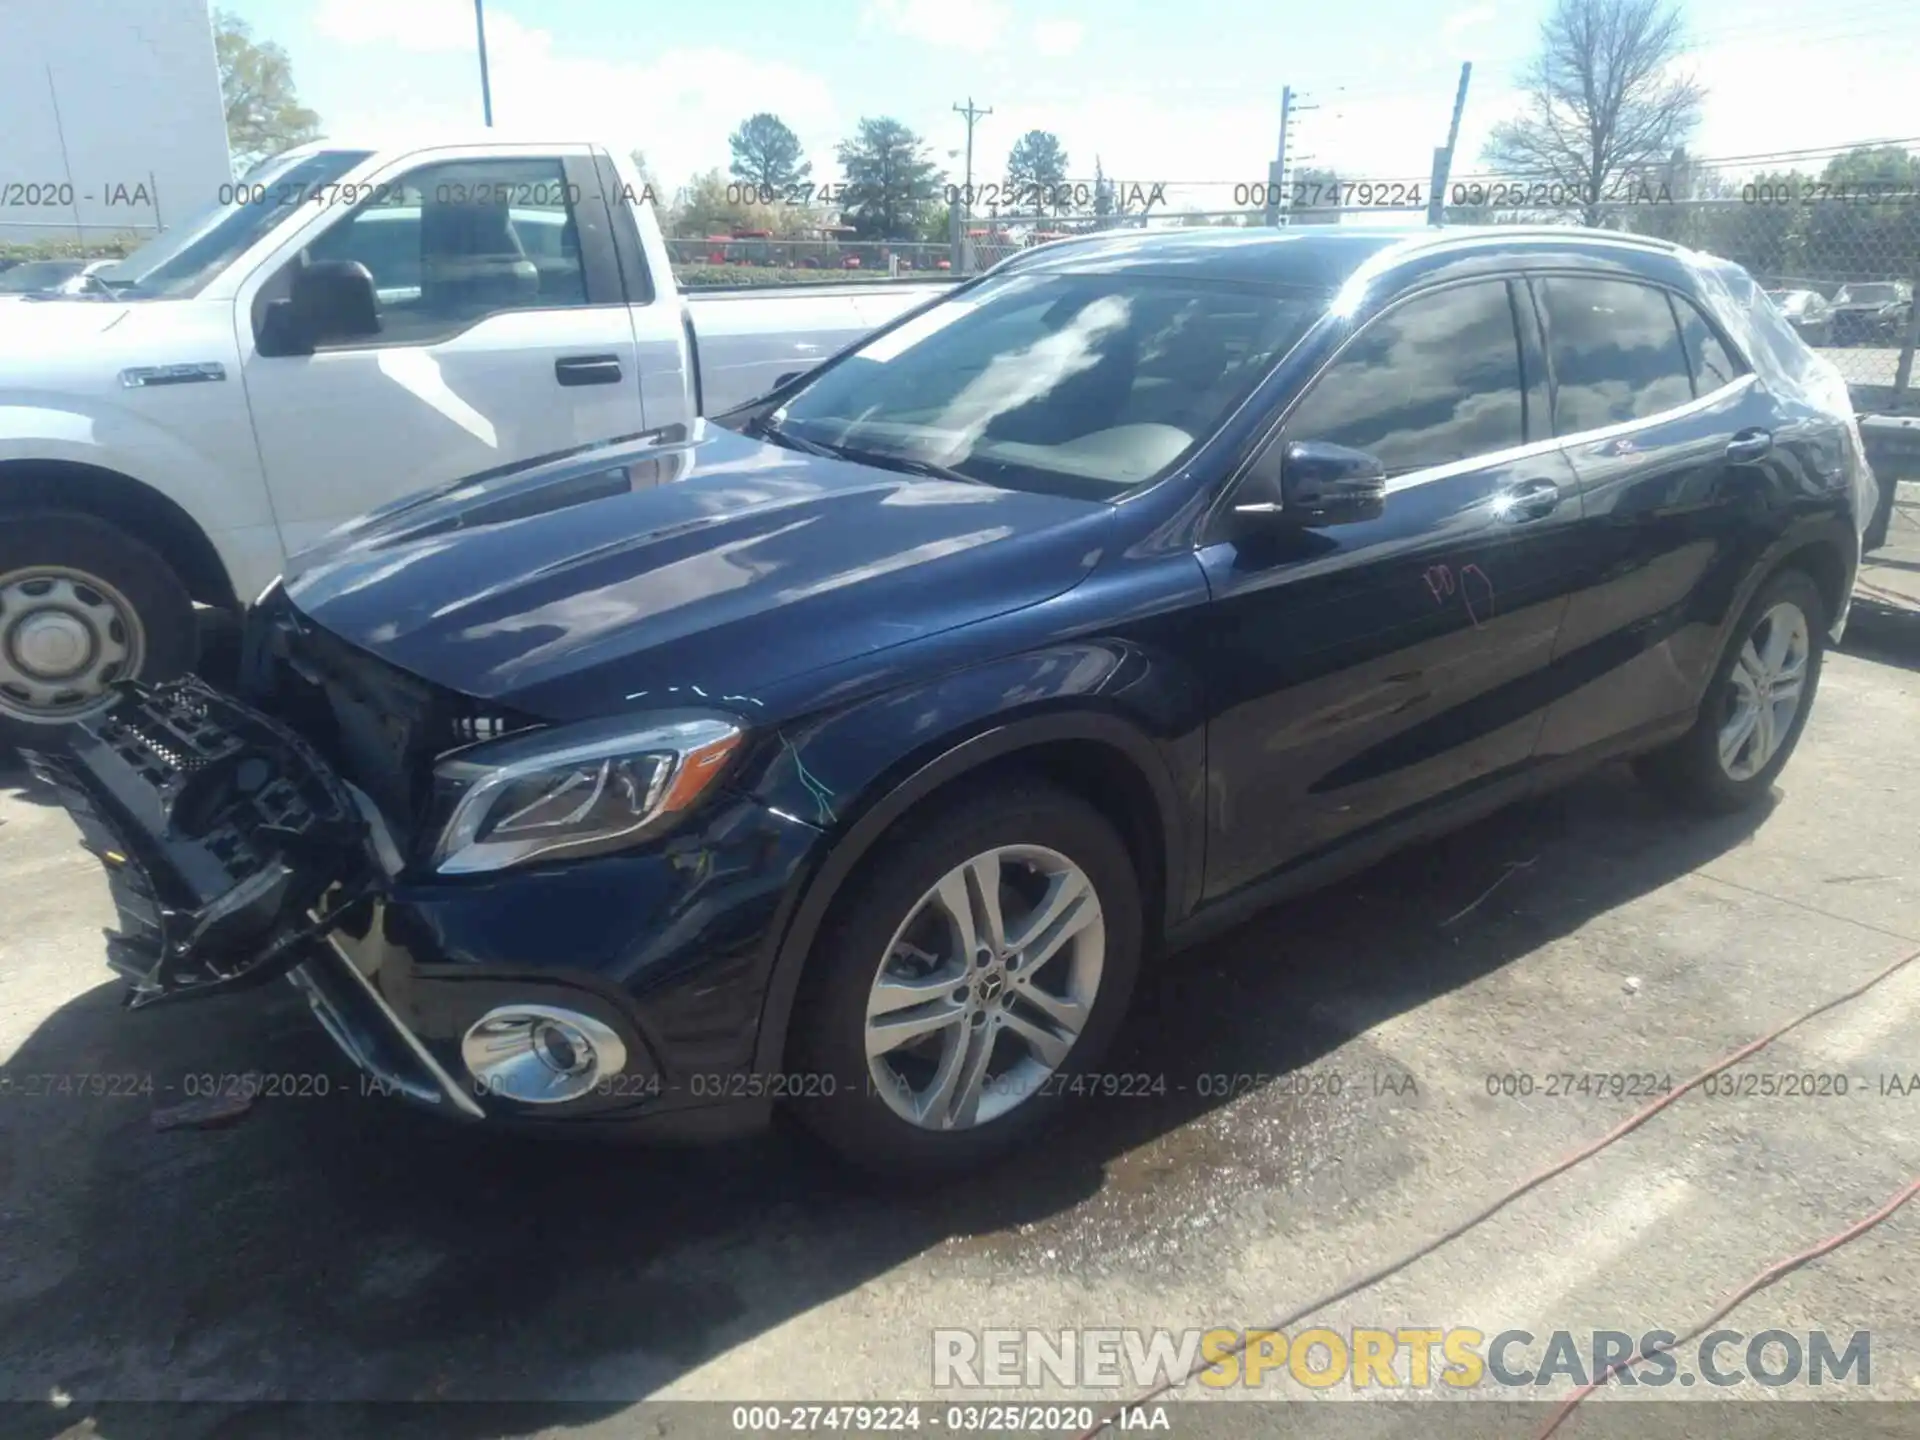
[1442, 234]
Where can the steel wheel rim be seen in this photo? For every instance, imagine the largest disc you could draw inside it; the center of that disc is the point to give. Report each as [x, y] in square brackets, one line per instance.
[1765, 690]
[65, 637]
[985, 987]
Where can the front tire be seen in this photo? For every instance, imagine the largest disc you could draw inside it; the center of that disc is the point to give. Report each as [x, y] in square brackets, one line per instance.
[82, 605]
[1755, 706]
[980, 964]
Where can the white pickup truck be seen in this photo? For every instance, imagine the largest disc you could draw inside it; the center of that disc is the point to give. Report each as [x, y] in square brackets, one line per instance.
[347, 326]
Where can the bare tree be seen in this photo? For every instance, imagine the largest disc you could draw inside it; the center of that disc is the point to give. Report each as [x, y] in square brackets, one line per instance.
[1605, 102]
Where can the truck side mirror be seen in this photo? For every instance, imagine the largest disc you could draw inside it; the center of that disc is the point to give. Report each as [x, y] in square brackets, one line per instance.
[328, 300]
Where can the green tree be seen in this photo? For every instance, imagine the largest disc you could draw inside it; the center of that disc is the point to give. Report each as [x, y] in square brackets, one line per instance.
[1865, 223]
[1314, 194]
[1604, 103]
[711, 204]
[1037, 165]
[891, 184]
[264, 113]
[935, 229]
[767, 155]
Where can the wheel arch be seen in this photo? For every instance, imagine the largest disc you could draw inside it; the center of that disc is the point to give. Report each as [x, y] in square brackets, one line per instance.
[127, 504]
[1100, 757]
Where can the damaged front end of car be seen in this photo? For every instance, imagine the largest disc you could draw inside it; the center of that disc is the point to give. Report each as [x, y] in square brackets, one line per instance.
[228, 843]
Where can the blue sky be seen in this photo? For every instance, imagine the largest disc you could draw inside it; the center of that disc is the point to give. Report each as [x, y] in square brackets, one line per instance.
[1185, 92]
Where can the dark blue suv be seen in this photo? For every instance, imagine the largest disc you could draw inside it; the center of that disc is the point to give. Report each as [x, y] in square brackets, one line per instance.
[852, 750]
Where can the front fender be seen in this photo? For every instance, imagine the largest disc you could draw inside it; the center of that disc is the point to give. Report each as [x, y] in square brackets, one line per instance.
[854, 772]
[217, 488]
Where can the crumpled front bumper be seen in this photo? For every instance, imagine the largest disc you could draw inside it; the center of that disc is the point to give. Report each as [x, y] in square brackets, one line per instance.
[235, 856]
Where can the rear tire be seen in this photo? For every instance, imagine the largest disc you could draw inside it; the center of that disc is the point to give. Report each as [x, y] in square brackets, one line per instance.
[1010, 1025]
[82, 606]
[1755, 706]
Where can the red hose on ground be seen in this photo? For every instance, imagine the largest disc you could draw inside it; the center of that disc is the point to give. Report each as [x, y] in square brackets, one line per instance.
[1532, 1182]
[1759, 1282]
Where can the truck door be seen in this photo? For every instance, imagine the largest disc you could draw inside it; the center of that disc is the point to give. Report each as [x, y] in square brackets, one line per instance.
[504, 334]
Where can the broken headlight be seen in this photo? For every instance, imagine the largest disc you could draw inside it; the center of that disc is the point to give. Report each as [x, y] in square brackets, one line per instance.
[574, 791]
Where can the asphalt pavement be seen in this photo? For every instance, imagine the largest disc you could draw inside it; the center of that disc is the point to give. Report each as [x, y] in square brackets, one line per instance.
[1341, 1080]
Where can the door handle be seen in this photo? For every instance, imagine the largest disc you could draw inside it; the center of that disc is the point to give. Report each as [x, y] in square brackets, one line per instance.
[1750, 445]
[1528, 500]
[587, 370]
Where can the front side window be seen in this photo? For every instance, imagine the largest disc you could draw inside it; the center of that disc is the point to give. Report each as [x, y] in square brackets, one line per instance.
[452, 243]
[1615, 349]
[1433, 380]
[1078, 384]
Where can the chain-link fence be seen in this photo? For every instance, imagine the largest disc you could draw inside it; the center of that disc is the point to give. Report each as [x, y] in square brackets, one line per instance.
[1842, 270]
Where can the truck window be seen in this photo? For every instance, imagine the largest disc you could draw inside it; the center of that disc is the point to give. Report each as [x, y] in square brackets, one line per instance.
[454, 242]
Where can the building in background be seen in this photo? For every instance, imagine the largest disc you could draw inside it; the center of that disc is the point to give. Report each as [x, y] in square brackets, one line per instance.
[111, 120]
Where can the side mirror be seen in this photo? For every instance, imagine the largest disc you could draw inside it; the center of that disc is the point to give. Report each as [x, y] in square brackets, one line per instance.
[1317, 484]
[328, 300]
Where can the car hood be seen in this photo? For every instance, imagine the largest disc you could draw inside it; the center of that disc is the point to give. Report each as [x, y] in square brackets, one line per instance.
[681, 570]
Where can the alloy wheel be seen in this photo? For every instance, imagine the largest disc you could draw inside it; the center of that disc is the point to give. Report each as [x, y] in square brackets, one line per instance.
[65, 637]
[1764, 691]
[985, 987]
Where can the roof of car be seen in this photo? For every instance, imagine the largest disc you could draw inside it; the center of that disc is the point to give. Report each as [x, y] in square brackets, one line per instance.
[1302, 254]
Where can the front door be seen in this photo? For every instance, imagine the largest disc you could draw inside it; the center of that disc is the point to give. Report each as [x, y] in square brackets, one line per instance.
[1361, 672]
[502, 339]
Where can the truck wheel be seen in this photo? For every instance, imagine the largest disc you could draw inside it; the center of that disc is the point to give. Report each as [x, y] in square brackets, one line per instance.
[981, 963]
[1754, 708]
[82, 604]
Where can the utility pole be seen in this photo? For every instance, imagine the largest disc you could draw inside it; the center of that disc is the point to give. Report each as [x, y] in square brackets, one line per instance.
[973, 118]
[1443, 157]
[963, 258]
[1277, 172]
[486, 90]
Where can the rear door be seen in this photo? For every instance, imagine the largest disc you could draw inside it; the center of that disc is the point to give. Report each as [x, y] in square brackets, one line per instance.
[1673, 441]
[505, 335]
[1365, 672]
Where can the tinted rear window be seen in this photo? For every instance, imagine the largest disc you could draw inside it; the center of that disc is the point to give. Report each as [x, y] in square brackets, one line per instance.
[1616, 352]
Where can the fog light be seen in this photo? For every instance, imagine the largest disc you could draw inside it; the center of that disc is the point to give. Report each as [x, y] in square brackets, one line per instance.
[540, 1056]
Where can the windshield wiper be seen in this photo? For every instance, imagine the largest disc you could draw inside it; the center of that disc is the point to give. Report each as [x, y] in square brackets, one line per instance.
[765, 429]
[888, 460]
[880, 459]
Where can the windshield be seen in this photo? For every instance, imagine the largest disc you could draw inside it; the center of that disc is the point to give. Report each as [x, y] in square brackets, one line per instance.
[1076, 384]
[37, 275]
[186, 256]
[1868, 294]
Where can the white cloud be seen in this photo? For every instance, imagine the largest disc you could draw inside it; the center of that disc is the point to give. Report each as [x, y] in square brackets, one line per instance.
[1471, 18]
[667, 105]
[974, 25]
[1058, 37]
[417, 25]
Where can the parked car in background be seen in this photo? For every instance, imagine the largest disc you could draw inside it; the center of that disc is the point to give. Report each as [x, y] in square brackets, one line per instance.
[55, 277]
[1808, 312]
[1871, 313]
[851, 753]
[351, 325]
